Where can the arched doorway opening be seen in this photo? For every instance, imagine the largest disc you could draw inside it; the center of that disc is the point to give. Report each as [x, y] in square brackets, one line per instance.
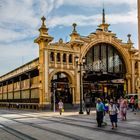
[104, 72]
[62, 89]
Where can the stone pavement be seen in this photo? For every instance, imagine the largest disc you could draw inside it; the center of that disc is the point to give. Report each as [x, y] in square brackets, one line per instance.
[34, 125]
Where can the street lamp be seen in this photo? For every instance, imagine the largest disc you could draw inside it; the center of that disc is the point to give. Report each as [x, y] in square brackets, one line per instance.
[54, 90]
[81, 64]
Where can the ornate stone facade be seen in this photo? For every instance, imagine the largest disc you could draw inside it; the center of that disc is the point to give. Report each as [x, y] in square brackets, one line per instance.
[31, 85]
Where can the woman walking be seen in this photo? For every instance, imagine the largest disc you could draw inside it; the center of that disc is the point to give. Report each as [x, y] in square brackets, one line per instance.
[113, 111]
[125, 106]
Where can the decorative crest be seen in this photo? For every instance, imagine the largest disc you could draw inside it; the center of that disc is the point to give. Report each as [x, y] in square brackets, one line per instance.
[74, 27]
[129, 38]
[43, 21]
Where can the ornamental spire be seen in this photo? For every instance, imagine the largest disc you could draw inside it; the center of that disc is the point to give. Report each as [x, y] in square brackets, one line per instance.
[74, 27]
[43, 21]
[74, 33]
[103, 16]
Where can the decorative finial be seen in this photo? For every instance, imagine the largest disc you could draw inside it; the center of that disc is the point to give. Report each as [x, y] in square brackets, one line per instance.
[129, 38]
[60, 40]
[43, 21]
[74, 27]
[103, 17]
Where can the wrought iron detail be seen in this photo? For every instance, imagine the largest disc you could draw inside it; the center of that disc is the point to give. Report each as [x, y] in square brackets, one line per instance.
[104, 58]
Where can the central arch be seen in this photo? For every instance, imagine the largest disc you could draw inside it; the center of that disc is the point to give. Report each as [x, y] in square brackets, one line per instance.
[105, 69]
[124, 54]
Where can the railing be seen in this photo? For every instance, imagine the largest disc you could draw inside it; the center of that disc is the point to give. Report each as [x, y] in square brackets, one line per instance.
[12, 105]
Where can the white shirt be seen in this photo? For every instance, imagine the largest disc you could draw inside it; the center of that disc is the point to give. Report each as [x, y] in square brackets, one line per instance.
[113, 109]
[60, 104]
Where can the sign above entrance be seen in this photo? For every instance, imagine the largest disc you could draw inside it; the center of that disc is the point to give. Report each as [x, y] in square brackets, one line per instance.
[121, 81]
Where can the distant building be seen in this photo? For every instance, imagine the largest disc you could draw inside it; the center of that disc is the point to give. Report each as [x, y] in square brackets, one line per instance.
[100, 65]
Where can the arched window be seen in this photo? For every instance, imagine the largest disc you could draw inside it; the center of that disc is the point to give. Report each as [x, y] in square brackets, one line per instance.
[52, 56]
[70, 58]
[105, 57]
[64, 57]
[58, 57]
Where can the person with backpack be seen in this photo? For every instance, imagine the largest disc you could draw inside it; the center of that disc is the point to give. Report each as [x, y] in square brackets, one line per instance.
[113, 111]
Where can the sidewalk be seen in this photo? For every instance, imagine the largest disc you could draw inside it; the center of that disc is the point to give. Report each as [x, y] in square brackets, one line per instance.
[42, 125]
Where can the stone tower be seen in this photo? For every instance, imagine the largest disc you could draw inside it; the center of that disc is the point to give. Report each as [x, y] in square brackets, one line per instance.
[43, 40]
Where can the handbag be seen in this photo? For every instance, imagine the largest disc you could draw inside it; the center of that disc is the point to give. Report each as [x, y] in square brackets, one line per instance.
[62, 109]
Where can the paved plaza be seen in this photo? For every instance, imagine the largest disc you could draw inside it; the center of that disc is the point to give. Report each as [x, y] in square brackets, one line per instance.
[35, 125]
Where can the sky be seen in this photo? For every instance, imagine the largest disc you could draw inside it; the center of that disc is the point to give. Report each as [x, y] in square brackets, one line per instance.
[20, 21]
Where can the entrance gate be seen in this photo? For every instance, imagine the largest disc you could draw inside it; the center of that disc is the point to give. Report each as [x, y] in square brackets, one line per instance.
[61, 90]
[104, 72]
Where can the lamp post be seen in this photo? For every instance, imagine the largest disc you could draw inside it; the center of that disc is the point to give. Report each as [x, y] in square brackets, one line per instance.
[81, 64]
[54, 89]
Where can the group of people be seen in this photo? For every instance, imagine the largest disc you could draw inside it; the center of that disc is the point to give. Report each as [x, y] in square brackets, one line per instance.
[113, 108]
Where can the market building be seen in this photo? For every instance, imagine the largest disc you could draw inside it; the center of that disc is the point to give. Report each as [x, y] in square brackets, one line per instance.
[98, 64]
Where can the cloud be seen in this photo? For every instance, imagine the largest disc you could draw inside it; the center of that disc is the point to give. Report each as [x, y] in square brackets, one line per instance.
[130, 17]
[94, 3]
[45, 7]
[20, 19]
[83, 20]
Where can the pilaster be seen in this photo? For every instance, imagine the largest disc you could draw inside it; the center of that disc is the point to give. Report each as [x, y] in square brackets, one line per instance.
[133, 76]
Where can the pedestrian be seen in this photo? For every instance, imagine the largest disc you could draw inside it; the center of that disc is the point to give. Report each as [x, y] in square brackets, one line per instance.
[113, 111]
[99, 112]
[121, 108]
[106, 104]
[87, 104]
[106, 108]
[132, 102]
[17, 105]
[125, 106]
[60, 106]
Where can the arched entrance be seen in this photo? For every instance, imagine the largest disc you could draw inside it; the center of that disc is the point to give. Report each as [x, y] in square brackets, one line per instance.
[104, 72]
[62, 88]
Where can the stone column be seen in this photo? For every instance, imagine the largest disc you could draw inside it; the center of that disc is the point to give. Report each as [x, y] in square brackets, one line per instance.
[67, 60]
[2, 91]
[133, 76]
[29, 76]
[73, 94]
[7, 89]
[61, 60]
[46, 77]
[128, 77]
[20, 87]
[13, 87]
[55, 59]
